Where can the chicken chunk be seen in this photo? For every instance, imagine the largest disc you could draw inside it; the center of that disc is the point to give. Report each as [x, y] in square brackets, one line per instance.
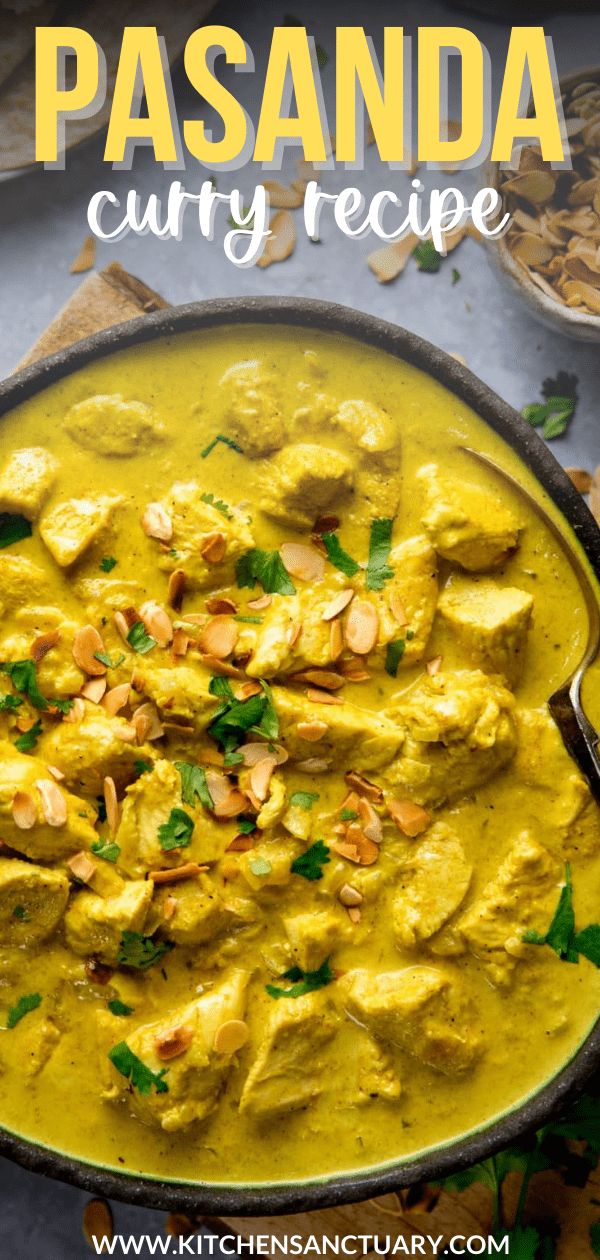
[551, 788]
[205, 543]
[407, 604]
[253, 413]
[26, 480]
[459, 731]
[58, 676]
[521, 897]
[289, 1069]
[73, 525]
[376, 1074]
[147, 806]
[275, 649]
[314, 935]
[112, 425]
[417, 1009]
[94, 925]
[467, 524]
[179, 691]
[38, 839]
[22, 582]
[304, 481]
[32, 902]
[193, 1078]
[268, 864]
[101, 596]
[89, 750]
[491, 622]
[433, 881]
[346, 735]
[369, 426]
[196, 912]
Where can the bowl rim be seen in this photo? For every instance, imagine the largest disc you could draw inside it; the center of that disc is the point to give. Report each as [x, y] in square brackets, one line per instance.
[215, 1199]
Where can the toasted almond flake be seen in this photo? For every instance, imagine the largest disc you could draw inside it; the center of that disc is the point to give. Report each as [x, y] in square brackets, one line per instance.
[220, 604]
[121, 625]
[195, 619]
[240, 844]
[531, 249]
[87, 641]
[181, 643]
[282, 241]
[260, 777]
[302, 562]
[537, 187]
[254, 752]
[389, 261]
[83, 866]
[148, 713]
[589, 296]
[362, 627]
[264, 601]
[581, 478]
[56, 773]
[116, 699]
[312, 731]
[370, 820]
[113, 813]
[363, 786]
[214, 547]
[219, 636]
[24, 811]
[176, 874]
[157, 622]
[281, 197]
[233, 804]
[355, 847]
[231, 1036]
[336, 640]
[97, 1222]
[142, 725]
[322, 697]
[292, 633]
[337, 605]
[169, 906]
[176, 588]
[410, 819]
[245, 690]
[44, 644]
[325, 678]
[54, 805]
[157, 523]
[170, 1044]
[86, 257]
[223, 668]
[397, 608]
[126, 732]
[314, 765]
[94, 689]
[76, 712]
[350, 896]
[433, 666]
[354, 914]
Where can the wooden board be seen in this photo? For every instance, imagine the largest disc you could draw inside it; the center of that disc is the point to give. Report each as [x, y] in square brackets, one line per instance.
[109, 297]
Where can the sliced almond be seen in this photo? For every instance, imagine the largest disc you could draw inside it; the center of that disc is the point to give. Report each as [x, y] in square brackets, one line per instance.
[82, 866]
[126, 733]
[337, 604]
[264, 601]
[356, 847]
[410, 819]
[312, 731]
[303, 562]
[260, 777]
[231, 1036]
[362, 627]
[282, 240]
[370, 820]
[322, 697]
[220, 604]
[223, 668]
[397, 608]
[314, 765]
[363, 786]
[534, 186]
[170, 1044]
[433, 666]
[56, 773]
[86, 257]
[219, 636]
[176, 874]
[581, 478]
[176, 588]
[354, 914]
[54, 805]
[245, 690]
[77, 711]
[86, 643]
[254, 752]
[94, 689]
[113, 813]
[389, 261]
[240, 844]
[325, 678]
[233, 804]
[181, 643]
[157, 523]
[292, 633]
[157, 622]
[97, 1223]
[336, 639]
[350, 896]
[214, 547]
[531, 249]
[116, 699]
[44, 644]
[282, 197]
[24, 811]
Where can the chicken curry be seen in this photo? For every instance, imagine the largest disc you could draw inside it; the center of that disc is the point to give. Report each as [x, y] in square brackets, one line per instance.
[296, 875]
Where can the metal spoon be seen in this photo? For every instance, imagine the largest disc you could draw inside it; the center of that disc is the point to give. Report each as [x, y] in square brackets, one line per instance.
[580, 738]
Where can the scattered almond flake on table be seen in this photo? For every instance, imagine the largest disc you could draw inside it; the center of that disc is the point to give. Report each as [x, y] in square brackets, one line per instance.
[282, 241]
[86, 258]
[389, 261]
[581, 478]
[281, 197]
[594, 500]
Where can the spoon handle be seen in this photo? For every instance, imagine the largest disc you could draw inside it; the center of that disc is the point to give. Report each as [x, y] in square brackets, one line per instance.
[579, 736]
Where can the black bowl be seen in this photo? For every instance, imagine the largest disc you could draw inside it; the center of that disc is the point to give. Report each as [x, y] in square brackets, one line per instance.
[338, 1188]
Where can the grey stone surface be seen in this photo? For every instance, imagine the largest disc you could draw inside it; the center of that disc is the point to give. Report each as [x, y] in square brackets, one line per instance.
[42, 224]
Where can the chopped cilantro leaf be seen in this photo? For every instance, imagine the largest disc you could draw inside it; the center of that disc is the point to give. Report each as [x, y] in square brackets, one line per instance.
[305, 800]
[142, 1077]
[8, 703]
[233, 759]
[303, 981]
[28, 1002]
[108, 563]
[29, 739]
[141, 766]
[246, 826]
[267, 568]
[62, 706]
[220, 687]
[141, 951]
[251, 621]
[221, 438]
[116, 1007]
[24, 679]
[393, 655]
[310, 864]
[427, 257]
[378, 569]
[220, 506]
[193, 784]
[561, 936]
[13, 529]
[139, 639]
[338, 557]
[20, 914]
[587, 942]
[108, 850]
[176, 832]
[106, 659]
[234, 718]
[348, 815]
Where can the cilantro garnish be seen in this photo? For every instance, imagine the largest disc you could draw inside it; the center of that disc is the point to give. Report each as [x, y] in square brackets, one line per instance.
[348, 815]
[427, 257]
[62, 706]
[227, 442]
[29, 739]
[28, 1002]
[8, 703]
[139, 639]
[339, 557]
[106, 659]
[116, 1007]
[219, 686]
[193, 784]
[265, 567]
[251, 621]
[303, 981]
[220, 506]
[310, 864]
[305, 800]
[234, 718]
[108, 563]
[561, 935]
[393, 655]
[23, 677]
[13, 528]
[142, 1077]
[246, 826]
[378, 569]
[108, 850]
[141, 766]
[141, 951]
[555, 414]
[176, 832]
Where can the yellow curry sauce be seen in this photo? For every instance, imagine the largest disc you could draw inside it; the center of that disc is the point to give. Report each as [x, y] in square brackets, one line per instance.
[335, 800]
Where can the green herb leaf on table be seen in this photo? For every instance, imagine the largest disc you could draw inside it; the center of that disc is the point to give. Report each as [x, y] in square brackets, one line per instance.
[108, 563]
[393, 655]
[227, 441]
[28, 1002]
[29, 739]
[338, 557]
[305, 800]
[302, 981]
[266, 568]
[142, 1077]
[427, 257]
[455, 275]
[177, 831]
[139, 639]
[116, 1007]
[194, 785]
[378, 569]
[23, 677]
[13, 529]
[108, 850]
[310, 864]
[555, 414]
[219, 504]
[8, 703]
[106, 659]
[139, 951]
